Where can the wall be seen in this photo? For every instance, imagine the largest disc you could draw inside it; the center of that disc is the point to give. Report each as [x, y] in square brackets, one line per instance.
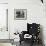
[3, 21]
[3, 1]
[35, 13]
[3, 34]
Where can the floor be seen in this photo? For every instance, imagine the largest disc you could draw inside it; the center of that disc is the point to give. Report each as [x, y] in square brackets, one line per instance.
[23, 44]
[5, 44]
[26, 44]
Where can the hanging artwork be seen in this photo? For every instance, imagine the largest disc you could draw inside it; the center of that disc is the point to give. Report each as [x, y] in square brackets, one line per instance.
[20, 14]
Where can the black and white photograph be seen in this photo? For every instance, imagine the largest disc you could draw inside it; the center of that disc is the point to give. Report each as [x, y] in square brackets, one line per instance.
[20, 14]
[22, 22]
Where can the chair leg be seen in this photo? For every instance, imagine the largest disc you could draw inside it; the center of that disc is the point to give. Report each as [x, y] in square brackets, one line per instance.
[20, 42]
[32, 42]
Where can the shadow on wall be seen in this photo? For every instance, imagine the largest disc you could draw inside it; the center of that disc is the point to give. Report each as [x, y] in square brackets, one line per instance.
[41, 34]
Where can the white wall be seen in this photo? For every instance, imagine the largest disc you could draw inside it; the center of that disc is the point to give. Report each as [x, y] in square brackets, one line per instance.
[3, 1]
[35, 13]
[3, 19]
[3, 34]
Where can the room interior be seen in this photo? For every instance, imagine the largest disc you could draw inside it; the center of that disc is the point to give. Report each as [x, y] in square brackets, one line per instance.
[16, 15]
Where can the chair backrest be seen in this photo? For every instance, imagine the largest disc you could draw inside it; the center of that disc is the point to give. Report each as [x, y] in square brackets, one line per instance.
[33, 28]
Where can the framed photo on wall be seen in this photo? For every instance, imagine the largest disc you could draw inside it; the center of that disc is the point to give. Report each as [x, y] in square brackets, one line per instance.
[20, 14]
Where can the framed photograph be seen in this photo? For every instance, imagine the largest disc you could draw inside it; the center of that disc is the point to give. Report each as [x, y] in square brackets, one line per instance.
[20, 14]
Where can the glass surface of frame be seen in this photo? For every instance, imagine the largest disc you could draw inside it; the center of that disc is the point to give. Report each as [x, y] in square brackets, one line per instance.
[20, 14]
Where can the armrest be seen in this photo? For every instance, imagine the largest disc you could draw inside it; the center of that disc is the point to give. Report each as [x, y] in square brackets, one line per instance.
[24, 32]
[22, 35]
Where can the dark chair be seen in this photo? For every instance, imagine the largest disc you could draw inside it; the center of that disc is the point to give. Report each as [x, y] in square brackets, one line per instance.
[32, 29]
